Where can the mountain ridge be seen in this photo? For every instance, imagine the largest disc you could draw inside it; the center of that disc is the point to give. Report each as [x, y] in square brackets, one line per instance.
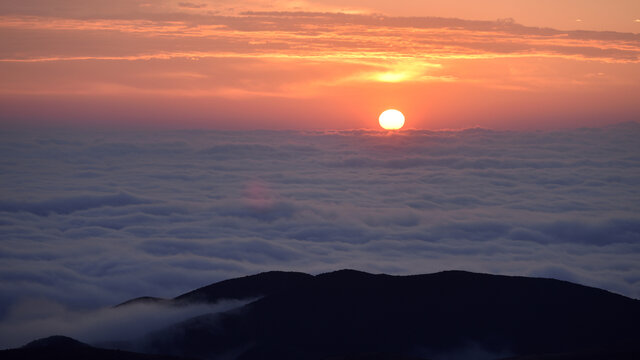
[351, 314]
[63, 347]
[431, 315]
[282, 280]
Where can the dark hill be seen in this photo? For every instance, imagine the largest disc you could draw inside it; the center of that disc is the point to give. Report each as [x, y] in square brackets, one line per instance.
[247, 287]
[451, 314]
[62, 347]
[253, 286]
[145, 300]
[353, 315]
[56, 342]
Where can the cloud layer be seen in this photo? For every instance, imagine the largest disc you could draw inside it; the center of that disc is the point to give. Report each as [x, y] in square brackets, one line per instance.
[93, 219]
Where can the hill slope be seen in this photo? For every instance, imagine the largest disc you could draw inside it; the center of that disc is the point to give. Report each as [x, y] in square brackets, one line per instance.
[247, 287]
[451, 314]
[61, 347]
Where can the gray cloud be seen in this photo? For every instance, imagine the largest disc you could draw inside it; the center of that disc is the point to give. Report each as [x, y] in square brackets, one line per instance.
[70, 204]
[191, 5]
[160, 214]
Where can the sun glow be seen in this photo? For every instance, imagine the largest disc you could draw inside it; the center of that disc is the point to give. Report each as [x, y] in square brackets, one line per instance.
[391, 119]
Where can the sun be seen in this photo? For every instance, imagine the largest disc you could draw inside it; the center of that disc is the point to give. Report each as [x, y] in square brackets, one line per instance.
[391, 119]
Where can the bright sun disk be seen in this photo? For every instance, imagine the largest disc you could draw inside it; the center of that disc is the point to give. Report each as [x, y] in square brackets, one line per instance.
[391, 119]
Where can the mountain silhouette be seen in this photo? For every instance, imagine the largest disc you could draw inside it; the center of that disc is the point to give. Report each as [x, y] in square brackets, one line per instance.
[62, 347]
[353, 315]
[247, 287]
[262, 284]
[451, 314]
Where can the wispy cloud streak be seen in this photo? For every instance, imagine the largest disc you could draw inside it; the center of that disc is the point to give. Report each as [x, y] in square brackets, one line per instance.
[313, 35]
[254, 52]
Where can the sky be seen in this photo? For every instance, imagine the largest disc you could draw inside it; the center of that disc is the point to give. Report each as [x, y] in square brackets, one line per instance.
[148, 148]
[318, 65]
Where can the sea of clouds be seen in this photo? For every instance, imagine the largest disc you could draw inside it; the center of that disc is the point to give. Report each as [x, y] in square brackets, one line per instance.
[91, 219]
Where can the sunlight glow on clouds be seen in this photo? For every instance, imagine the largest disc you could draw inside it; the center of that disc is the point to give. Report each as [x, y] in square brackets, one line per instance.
[295, 51]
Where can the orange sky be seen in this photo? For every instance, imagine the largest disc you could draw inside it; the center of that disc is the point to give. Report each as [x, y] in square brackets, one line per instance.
[319, 64]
